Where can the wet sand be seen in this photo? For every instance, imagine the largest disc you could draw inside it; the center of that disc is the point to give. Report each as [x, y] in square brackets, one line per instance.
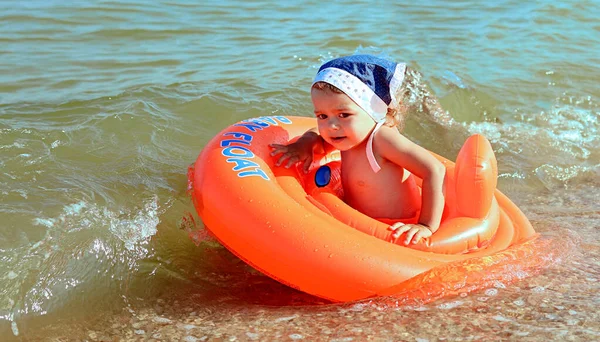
[560, 303]
[541, 308]
[551, 306]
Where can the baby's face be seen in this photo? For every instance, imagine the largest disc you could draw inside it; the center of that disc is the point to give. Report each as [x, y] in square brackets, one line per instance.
[341, 122]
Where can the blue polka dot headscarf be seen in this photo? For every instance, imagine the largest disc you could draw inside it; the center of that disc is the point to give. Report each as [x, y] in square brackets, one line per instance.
[370, 81]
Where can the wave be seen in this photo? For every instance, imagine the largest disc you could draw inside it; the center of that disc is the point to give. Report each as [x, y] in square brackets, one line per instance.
[88, 253]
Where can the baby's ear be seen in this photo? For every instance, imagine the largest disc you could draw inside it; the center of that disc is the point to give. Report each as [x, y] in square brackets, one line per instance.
[394, 118]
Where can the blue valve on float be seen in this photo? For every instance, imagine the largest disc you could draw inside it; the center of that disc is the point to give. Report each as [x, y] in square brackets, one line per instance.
[323, 176]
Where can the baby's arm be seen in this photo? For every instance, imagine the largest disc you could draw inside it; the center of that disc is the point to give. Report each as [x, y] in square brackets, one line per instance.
[299, 151]
[393, 146]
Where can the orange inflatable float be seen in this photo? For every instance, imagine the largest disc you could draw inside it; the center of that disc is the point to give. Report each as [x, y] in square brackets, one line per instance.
[295, 227]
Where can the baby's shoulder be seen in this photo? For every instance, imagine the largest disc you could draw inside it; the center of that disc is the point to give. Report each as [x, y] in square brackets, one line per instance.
[388, 142]
[388, 134]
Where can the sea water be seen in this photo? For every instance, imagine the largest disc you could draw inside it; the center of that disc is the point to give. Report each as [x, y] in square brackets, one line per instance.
[104, 105]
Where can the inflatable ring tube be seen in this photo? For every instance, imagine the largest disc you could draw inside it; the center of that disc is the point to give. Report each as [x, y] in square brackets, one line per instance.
[264, 215]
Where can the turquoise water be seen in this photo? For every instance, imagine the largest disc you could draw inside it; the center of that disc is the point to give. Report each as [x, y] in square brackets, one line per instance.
[103, 105]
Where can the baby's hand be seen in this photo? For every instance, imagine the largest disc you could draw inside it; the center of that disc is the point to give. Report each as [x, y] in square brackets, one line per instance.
[414, 232]
[293, 153]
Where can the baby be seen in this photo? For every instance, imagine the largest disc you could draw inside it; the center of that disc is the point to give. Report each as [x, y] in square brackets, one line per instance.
[360, 103]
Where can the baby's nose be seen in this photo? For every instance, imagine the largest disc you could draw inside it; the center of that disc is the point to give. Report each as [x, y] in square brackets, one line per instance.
[334, 124]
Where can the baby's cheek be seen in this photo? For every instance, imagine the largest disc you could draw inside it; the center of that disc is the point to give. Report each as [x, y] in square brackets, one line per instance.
[320, 126]
[322, 130]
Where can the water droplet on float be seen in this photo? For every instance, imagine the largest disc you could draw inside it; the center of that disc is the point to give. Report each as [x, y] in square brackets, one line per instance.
[316, 249]
[330, 255]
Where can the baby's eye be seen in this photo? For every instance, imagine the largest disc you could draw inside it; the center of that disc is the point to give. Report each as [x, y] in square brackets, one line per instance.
[321, 116]
[344, 115]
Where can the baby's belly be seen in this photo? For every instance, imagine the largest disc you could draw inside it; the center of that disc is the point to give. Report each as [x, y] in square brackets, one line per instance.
[401, 200]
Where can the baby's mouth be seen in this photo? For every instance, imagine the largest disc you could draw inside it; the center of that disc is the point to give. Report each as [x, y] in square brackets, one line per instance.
[337, 138]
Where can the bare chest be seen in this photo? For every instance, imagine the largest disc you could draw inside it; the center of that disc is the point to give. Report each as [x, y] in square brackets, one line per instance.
[385, 194]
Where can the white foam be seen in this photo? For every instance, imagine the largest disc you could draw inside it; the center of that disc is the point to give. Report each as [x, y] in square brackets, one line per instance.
[450, 305]
[133, 227]
[137, 229]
